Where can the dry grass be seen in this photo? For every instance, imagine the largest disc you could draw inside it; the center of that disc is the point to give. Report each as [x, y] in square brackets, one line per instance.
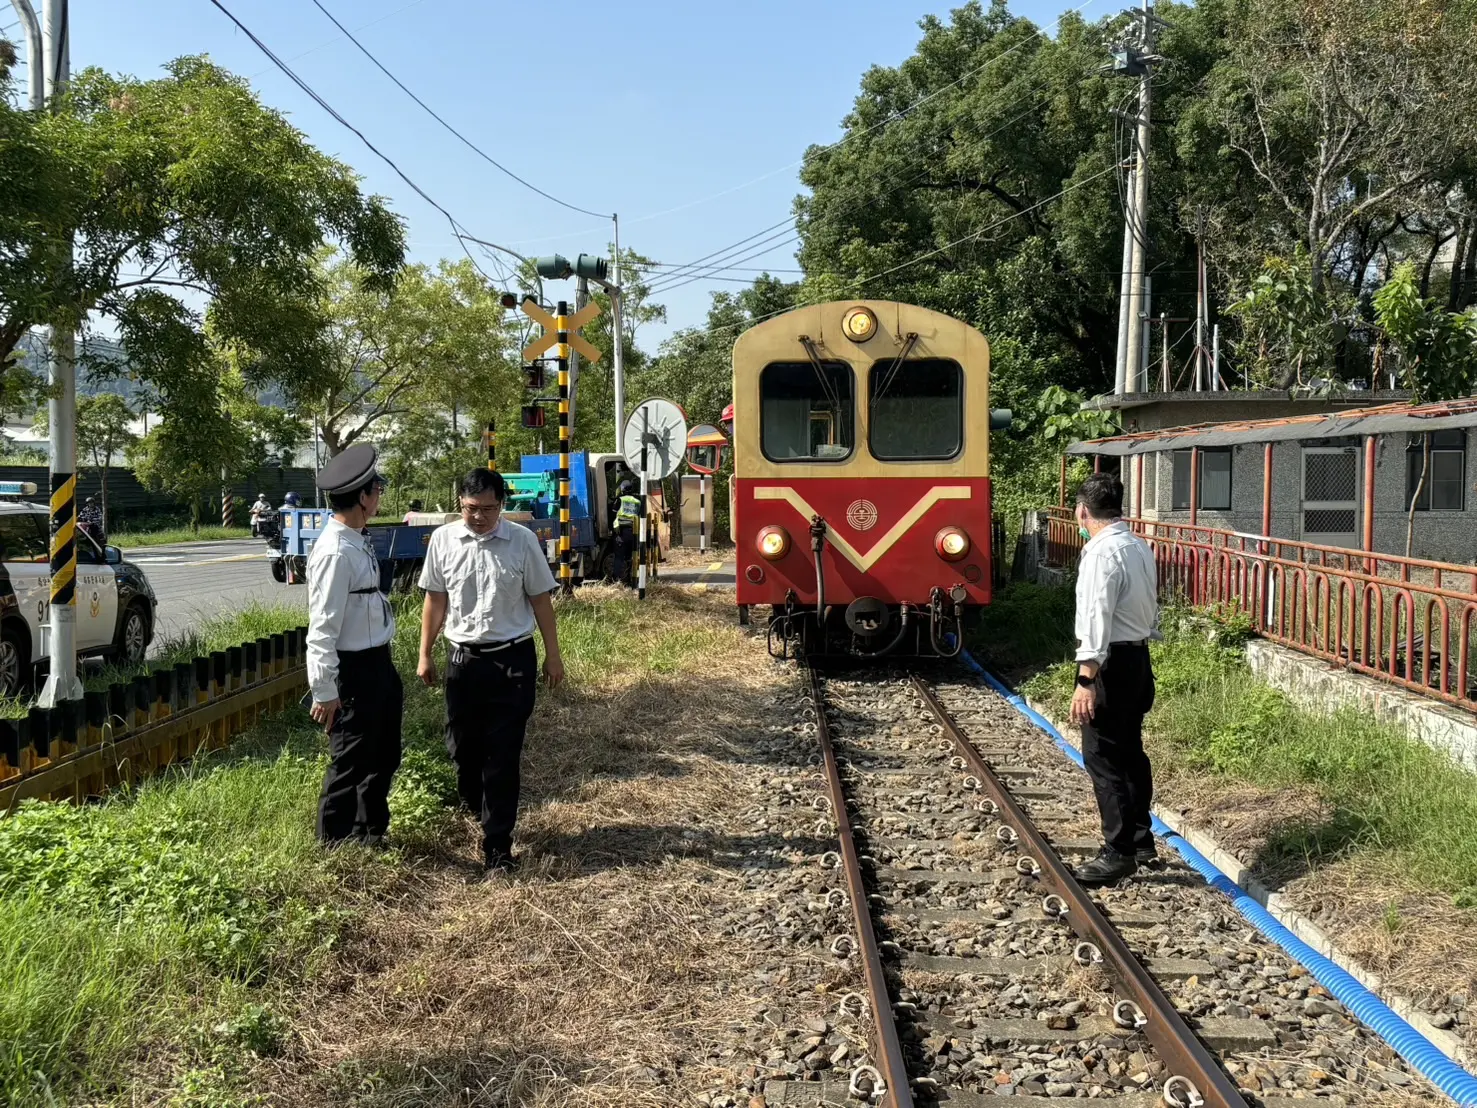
[599, 975]
[688, 557]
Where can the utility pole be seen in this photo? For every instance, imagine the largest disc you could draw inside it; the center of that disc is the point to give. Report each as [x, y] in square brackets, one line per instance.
[62, 683]
[35, 67]
[581, 298]
[1137, 62]
[1123, 380]
[617, 294]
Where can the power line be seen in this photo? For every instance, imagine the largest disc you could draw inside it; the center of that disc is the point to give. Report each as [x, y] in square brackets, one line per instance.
[973, 235]
[470, 145]
[854, 193]
[331, 110]
[899, 114]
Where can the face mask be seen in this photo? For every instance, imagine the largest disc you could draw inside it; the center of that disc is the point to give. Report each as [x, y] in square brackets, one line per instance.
[1083, 532]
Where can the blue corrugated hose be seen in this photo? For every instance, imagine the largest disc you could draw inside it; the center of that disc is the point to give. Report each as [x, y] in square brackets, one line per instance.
[1414, 1047]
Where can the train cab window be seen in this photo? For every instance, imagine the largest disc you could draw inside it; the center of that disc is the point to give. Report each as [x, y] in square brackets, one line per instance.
[807, 412]
[915, 409]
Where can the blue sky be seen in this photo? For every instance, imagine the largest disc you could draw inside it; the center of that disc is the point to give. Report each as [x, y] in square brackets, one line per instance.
[665, 105]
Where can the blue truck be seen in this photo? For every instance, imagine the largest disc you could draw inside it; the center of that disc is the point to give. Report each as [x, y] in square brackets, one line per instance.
[532, 502]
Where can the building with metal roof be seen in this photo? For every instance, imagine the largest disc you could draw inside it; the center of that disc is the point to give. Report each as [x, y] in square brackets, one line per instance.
[1341, 477]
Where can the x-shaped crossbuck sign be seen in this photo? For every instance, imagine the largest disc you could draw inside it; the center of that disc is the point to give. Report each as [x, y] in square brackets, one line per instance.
[577, 342]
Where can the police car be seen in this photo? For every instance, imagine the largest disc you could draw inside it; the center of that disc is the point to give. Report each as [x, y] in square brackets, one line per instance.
[115, 602]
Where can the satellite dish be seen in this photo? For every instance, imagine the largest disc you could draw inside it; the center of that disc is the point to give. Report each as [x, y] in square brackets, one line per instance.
[656, 439]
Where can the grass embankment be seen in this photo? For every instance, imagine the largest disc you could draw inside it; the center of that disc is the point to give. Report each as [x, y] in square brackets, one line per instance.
[168, 947]
[1336, 786]
[130, 540]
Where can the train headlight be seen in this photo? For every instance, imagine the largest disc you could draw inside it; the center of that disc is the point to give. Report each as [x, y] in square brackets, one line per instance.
[859, 324]
[774, 543]
[951, 544]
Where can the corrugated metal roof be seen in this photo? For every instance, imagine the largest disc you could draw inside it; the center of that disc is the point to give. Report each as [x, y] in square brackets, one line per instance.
[1386, 419]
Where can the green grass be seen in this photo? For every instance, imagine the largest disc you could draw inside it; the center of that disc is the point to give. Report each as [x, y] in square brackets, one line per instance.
[1026, 626]
[255, 621]
[152, 946]
[1384, 794]
[132, 539]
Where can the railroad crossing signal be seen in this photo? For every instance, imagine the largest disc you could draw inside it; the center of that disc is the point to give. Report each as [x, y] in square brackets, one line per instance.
[577, 342]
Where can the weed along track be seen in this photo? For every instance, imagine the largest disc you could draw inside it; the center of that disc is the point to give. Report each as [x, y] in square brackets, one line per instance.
[989, 971]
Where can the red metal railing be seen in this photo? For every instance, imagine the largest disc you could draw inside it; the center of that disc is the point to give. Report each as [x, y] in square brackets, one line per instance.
[1406, 621]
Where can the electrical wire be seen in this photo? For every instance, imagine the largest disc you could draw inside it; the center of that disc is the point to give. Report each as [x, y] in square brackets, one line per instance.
[468, 143]
[899, 114]
[668, 281]
[972, 236]
[312, 94]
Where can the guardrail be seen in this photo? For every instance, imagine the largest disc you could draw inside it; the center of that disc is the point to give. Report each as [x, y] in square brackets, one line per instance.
[1406, 621]
[83, 748]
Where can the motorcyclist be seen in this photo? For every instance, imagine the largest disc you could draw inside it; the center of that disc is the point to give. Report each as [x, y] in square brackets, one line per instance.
[90, 520]
[262, 508]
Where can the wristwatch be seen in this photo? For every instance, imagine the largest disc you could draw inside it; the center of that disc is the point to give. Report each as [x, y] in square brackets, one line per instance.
[1085, 682]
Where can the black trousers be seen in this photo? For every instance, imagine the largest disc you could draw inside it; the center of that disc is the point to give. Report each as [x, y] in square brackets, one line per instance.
[489, 699]
[1113, 749]
[363, 747]
[620, 558]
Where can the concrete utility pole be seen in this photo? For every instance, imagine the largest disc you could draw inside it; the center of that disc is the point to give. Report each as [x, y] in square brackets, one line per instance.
[1137, 62]
[1123, 381]
[62, 683]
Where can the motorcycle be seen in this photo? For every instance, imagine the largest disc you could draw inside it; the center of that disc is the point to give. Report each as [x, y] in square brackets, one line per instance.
[269, 530]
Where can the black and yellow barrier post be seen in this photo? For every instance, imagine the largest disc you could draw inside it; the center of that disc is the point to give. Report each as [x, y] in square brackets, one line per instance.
[562, 330]
[489, 440]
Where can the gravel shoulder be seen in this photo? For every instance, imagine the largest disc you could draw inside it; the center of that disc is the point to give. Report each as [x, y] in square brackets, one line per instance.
[1419, 942]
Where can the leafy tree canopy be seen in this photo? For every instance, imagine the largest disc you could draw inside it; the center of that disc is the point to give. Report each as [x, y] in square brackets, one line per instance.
[176, 189]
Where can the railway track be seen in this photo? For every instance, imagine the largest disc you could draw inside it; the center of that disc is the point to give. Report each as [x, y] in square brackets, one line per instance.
[989, 971]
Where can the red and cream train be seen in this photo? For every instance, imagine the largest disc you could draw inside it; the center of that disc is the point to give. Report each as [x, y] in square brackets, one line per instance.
[861, 489]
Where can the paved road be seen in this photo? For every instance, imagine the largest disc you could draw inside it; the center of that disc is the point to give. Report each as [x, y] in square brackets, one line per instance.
[716, 573]
[197, 580]
[194, 581]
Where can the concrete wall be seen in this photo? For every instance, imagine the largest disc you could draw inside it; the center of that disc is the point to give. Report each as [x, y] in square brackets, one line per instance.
[1318, 686]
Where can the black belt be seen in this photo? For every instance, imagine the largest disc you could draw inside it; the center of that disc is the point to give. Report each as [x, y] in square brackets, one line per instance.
[1130, 642]
[480, 650]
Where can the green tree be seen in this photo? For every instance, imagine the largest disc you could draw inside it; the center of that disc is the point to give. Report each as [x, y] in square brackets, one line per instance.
[1438, 353]
[104, 428]
[1336, 125]
[173, 189]
[438, 341]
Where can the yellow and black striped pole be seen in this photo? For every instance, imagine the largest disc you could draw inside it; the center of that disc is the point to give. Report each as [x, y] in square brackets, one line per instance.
[566, 582]
[489, 440]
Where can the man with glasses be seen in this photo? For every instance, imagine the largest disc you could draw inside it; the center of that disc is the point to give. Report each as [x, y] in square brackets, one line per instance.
[488, 585]
[356, 693]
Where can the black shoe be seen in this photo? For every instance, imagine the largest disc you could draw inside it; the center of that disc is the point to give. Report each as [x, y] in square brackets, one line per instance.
[500, 862]
[1147, 856]
[1109, 866]
[375, 843]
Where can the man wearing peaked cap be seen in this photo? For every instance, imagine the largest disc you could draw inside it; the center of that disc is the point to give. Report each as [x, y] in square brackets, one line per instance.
[356, 692]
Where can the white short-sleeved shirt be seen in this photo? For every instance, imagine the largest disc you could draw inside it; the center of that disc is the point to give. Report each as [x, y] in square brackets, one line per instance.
[487, 580]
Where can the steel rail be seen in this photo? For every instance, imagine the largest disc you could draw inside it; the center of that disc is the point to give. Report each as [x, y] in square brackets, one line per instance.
[1182, 1053]
[887, 1049]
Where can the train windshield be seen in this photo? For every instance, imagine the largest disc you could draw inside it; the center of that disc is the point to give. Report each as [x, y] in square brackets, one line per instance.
[915, 409]
[807, 411]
